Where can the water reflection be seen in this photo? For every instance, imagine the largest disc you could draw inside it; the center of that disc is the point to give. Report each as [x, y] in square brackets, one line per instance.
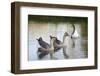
[75, 51]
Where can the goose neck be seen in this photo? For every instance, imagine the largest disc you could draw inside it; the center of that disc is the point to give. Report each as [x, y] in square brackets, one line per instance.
[64, 37]
[51, 43]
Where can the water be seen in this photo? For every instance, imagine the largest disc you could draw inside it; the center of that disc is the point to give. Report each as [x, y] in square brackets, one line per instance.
[44, 30]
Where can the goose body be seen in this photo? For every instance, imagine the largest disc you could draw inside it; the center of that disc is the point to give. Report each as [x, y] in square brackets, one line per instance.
[43, 43]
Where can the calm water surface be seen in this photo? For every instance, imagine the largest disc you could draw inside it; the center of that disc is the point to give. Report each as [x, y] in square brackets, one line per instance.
[45, 30]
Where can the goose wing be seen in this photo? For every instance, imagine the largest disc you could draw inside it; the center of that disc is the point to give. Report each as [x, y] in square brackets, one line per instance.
[44, 44]
[56, 47]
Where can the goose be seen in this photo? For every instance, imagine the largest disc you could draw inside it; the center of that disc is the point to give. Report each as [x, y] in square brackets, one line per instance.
[67, 45]
[56, 42]
[74, 34]
[45, 45]
[50, 49]
[64, 44]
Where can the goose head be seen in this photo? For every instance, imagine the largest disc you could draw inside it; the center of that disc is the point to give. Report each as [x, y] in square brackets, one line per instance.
[40, 39]
[53, 38]
[66, 34]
